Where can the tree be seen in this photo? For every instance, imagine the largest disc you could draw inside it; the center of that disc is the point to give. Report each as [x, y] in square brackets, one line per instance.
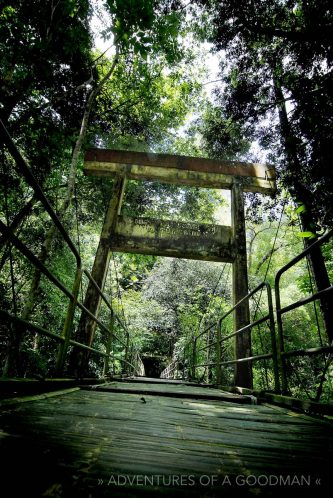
[136, 29]
[273, 59]
[277, 42]
[45, 60]
[185, 288]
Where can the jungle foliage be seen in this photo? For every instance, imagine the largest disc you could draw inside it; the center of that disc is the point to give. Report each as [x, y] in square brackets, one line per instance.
[147, 92]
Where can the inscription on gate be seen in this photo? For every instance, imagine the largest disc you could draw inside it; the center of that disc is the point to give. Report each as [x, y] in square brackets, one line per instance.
[173, 238]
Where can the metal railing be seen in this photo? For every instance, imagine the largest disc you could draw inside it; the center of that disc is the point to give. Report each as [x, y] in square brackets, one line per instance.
[179, 367]
[131, 358]
[219, 340]
[169, 371]
[280, 311]
[278, 354]
[173, 371]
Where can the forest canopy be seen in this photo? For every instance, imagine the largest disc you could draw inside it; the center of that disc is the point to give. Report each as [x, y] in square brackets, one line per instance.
[246, 81]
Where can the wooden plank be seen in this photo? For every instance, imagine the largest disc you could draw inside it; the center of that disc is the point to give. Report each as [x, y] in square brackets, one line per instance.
[173, 390]
[18, 387]
[5, 403]
[181, 170]
[154, 380]
[173, 238]
[299, 404]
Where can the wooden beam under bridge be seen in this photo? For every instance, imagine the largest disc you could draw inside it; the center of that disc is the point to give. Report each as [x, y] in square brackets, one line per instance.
[180, 170]
[173, 238]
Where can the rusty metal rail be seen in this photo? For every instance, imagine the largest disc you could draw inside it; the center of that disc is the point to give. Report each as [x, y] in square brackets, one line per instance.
[65, 340]
[220, 339]
[278, 353]
[282, 310]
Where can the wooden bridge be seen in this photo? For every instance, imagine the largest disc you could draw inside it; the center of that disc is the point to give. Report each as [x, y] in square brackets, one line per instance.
[149, 438]
[134, 436]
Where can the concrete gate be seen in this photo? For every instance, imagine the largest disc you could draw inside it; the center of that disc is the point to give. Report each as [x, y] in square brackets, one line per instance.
[178, 239]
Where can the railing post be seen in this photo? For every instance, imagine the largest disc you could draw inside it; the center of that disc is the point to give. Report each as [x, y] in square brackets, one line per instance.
[273, 338]
[194, 358]
[208, 374]
[218, 354]
[106, 368]
[67, 328]
[127, 350]
[280, 342]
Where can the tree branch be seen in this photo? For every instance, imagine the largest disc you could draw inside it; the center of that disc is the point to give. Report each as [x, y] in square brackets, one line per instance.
[298, 36]
[19, 218]
[268, 255]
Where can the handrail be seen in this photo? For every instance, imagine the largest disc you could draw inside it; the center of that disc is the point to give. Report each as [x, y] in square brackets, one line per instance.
[218, 342]
[105, 299]
[217, 324]
[64, 339]
[278, 353]
[25, 170]
[166, 373]
[35, 261]
[173, 366]
[319, 242]
[282, 354]
[40, 330]
[247, 297]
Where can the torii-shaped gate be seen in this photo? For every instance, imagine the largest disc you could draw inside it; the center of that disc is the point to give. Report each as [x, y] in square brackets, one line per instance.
[178, 239]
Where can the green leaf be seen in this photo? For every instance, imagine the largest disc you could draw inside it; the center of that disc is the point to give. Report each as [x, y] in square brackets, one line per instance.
[306, 235]
[7, 12]
[301, 209]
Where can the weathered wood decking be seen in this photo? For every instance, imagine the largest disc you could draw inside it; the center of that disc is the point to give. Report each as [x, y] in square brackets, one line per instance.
[98, 443]
[174, 389]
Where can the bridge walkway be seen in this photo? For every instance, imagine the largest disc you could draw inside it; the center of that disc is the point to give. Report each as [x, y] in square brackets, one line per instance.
[159, 438]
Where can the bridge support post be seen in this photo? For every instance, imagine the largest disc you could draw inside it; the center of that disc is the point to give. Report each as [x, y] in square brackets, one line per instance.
[243, 371]
[92, 301]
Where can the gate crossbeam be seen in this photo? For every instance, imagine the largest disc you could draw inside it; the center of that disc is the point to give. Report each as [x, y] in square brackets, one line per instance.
[180, 170]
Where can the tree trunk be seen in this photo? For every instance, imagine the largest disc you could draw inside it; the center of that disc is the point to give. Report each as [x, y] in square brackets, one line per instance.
[317, 263]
